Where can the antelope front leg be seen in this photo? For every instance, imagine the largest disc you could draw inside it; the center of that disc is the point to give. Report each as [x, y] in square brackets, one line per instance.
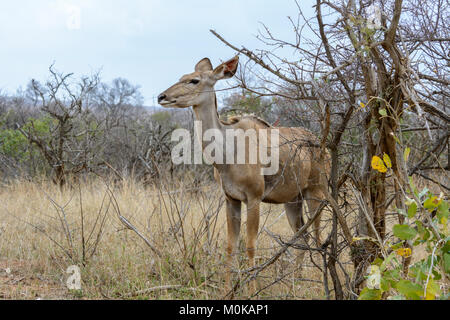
[252, 233]
[234, 227]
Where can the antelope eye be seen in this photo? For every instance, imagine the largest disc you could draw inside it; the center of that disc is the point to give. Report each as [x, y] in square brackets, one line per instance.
[194, 81]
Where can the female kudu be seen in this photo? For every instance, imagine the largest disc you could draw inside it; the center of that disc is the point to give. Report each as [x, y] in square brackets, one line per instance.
[301, 172]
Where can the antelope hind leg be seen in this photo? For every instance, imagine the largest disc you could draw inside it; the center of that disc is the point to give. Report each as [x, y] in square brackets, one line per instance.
[252, 233]
[233, 208]
[314, 197]
[294, 211]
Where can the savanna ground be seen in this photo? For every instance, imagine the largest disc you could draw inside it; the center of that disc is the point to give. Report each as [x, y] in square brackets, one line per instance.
[123, 266]
[42, 231]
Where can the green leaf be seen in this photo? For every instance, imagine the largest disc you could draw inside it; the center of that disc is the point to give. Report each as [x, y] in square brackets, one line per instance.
[392, 276]
[447, 262]
[437, 275]
[397, 245]
[384, 284]
[423, 232]
[387, 261]
[420, 227]
[427, 235]
[446, 247]
[404, 232]
[412, 210]
[419, 271]
[442, 211]
[409, 289]
[378, 261]
[370, 294]
[382, 112]
[413, 187]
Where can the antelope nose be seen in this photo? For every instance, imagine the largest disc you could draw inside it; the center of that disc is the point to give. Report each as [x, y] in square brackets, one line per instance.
[161, 97]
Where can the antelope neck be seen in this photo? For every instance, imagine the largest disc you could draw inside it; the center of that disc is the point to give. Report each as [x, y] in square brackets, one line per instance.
[206, 113]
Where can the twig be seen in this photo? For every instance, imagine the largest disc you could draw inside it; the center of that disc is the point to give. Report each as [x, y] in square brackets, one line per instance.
[131, 227]
[431, 267]
[165, 287]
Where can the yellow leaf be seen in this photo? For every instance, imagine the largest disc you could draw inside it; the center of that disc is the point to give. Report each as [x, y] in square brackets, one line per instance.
[432, 290]
[429, 296]
[362, 105]
[387, 160]
[406, 154]
[404, 252]
[376, 161]
[378, 164]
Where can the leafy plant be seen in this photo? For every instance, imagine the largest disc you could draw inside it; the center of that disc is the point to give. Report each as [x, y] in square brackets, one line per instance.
[426, 225]
[16, 145]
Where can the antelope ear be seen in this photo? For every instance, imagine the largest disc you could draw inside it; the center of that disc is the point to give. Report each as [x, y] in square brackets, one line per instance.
[227, 69]
[203, 65]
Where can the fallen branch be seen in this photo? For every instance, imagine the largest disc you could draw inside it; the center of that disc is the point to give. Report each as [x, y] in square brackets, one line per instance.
[144, 291]
[131, 227]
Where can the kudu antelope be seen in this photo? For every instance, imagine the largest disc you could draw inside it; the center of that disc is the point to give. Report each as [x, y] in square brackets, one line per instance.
[301, 175]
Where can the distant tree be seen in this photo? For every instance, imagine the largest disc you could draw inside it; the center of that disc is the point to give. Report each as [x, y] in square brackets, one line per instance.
[248, 103]
[64, 103]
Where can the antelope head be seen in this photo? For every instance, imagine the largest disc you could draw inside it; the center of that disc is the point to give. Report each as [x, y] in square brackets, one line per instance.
[196, 88]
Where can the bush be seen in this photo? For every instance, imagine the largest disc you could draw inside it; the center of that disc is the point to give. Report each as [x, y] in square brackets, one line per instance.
[426, 225]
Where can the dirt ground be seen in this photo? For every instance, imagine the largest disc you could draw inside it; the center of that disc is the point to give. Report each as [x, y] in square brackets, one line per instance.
[17, 283]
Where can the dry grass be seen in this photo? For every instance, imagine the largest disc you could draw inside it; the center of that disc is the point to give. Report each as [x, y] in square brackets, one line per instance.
[41, 234]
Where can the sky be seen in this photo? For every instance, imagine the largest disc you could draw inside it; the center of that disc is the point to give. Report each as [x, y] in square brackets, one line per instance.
[152, 43]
